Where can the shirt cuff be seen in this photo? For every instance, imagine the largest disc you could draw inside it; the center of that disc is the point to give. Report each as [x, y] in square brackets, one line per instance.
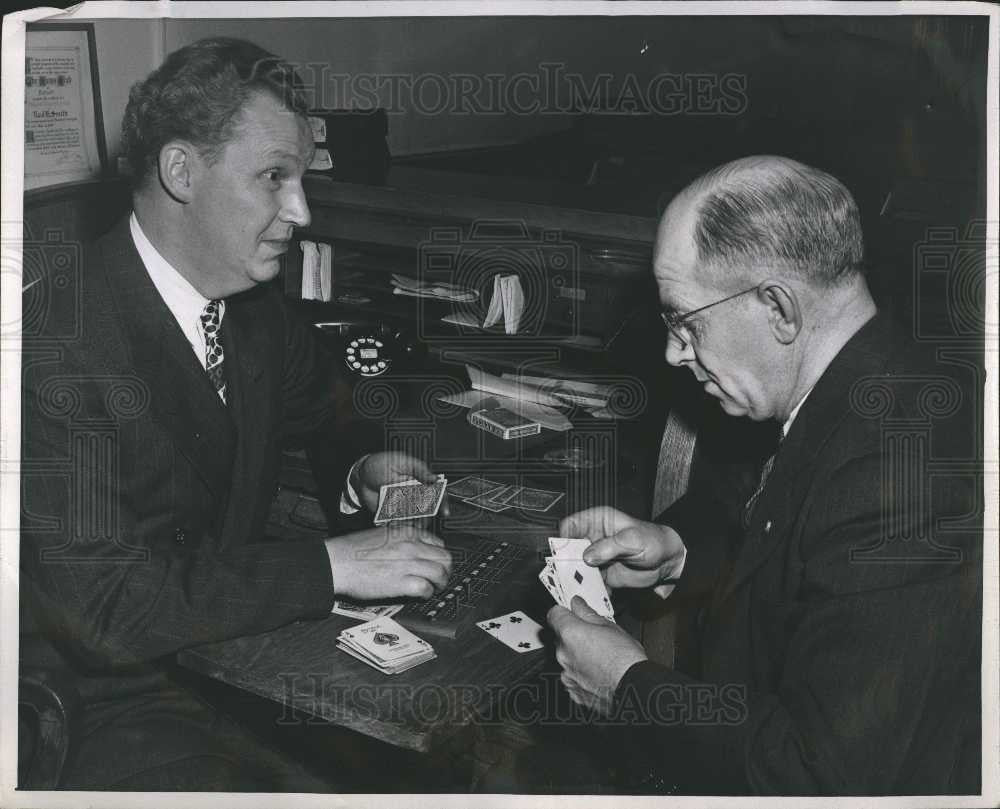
[665, 589]
[350, 503]
[333, 573]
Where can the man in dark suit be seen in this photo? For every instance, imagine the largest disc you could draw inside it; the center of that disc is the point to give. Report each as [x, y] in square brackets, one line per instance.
[161, 424]
[839, 649]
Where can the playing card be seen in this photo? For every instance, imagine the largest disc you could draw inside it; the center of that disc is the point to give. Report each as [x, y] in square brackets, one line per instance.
[550, 580]
[577, 577]
[409, 500]
[394, 668]
[568, 547]
[535, 499]
[363, 611]
[502, 497]
[483, 502]
[515, 630]
[472, 487]
[383, 639]
[492, 501]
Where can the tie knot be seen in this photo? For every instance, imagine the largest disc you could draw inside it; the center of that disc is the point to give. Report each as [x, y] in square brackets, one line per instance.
[211, 316]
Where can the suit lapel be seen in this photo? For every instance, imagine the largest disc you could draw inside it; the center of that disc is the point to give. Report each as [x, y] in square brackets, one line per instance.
[245, 345]
[182, 396]
[782, 498]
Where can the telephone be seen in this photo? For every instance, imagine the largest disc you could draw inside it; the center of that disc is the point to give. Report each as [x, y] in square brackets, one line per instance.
[367, 348]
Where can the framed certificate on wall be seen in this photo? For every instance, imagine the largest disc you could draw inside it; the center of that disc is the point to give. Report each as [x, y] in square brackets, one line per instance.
[63, 125]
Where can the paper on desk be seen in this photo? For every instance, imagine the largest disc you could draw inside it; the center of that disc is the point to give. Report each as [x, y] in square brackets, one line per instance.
[507, 302]
[404, 285]
[576, 391]
[548, 417]
[505, 387]
[496, 305]
[317, 271]
[462, 319]
[471, 399]
[513, 303]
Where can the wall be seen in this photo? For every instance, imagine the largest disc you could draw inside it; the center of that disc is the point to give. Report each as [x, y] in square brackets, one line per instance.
[828, 73]
[413, 49]
[127, 50]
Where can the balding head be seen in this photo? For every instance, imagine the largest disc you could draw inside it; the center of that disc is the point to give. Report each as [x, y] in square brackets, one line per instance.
[758, 268]
[775, 213]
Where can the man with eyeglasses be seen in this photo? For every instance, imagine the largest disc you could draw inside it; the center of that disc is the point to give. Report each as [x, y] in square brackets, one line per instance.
[839, 649]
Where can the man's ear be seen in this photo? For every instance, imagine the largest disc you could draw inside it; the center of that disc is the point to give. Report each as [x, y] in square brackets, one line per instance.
[178, 168]
[784, 310]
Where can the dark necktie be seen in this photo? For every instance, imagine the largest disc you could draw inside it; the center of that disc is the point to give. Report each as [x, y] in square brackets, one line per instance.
[211, 323]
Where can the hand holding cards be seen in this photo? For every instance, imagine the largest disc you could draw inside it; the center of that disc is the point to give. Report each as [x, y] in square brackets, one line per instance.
[385, 645]
[409, 500]
[566, 575]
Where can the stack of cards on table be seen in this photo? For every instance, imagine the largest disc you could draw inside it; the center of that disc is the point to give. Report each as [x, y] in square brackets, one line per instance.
[409, 500]
[566, 575]
[493, 496]
[363, 611]
[385, 645]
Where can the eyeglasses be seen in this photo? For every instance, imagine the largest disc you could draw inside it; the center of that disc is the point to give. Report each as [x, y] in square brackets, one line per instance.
[677, 323]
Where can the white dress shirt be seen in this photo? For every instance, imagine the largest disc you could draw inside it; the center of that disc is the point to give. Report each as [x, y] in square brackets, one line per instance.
[185, 302]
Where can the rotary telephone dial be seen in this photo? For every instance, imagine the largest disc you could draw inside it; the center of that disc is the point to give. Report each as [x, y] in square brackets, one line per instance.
[369, 348]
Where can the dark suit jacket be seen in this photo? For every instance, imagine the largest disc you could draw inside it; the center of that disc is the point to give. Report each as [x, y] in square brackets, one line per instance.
[840, 649]
[143, 497]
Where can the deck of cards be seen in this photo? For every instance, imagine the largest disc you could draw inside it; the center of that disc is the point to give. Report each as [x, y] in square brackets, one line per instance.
[566, 575]
[363, 611]
[409, 500]
[385, 645]
[515, 630]
[493, 496]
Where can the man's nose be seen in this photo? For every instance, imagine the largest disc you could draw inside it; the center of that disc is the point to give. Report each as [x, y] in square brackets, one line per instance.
[295, 209]
[677, 352]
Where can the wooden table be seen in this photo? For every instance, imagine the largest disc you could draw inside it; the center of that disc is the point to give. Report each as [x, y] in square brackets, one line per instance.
[298, 665]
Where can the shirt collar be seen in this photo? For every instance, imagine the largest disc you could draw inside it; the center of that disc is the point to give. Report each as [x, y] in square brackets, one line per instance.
[184, 301]
[795, 411]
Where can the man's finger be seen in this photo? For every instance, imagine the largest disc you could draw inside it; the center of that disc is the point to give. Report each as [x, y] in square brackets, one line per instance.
[606, 550]
[583, 611]
[578, 525]
[433, 553]
[433, 572]
[416, 587]
[568, 526]
[557, 618]
[427, 537]
[418, 469]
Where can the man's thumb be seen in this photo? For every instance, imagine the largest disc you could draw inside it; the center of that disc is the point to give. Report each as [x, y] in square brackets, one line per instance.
[583, 610]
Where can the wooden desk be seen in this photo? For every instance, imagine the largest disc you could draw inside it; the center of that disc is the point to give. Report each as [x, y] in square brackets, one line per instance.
[299, 666]
[421, 709]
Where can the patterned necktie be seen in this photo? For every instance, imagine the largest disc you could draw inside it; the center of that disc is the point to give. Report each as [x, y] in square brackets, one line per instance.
[211, 322]
[764, 473]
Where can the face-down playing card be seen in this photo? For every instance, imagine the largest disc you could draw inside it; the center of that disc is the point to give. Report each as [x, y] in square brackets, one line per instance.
[409, 500]
[472, 486]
